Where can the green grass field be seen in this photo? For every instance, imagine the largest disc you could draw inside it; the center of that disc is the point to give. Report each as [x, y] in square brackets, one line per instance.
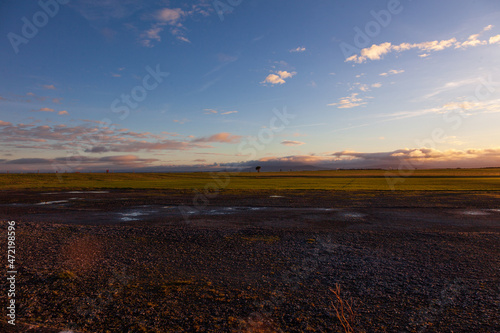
[419, 180]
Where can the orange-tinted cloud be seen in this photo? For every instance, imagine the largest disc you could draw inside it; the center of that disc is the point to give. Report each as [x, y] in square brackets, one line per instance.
[223, 137]
[292, 143]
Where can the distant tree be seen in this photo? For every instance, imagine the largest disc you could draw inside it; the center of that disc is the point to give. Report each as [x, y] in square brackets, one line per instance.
[257, 168]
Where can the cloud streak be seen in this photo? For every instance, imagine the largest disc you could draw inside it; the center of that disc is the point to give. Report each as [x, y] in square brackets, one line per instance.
[223, 137]
[377, 52]
[349, 102]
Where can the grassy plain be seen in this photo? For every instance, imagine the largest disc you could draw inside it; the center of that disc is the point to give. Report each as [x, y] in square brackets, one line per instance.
[362, 180]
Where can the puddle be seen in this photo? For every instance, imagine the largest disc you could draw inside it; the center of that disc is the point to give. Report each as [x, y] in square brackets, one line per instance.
[474, 213]
[51, 202]
[135, 214]
[73, 192]
[141, 212]
[276, 196]
[352, 215]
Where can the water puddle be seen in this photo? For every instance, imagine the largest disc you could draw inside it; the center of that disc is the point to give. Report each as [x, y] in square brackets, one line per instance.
[76, 192]
[73, 192]
[474, 213]
[135, 215]
[276, 196]
[352, 215]
[143, 212]
[51, 202]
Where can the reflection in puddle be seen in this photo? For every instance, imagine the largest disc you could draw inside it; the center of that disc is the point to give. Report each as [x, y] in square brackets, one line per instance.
[352, 215]
[76, 192]
[276, 196]
[133, 215]
[475, 212]
[51, 202]
[143, 212]
[88, 192]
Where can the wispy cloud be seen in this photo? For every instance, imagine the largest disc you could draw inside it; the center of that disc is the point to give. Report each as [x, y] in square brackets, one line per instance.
[49, 86]
[377, 52]
[466, 108]
[210, 111]
[181, 121]
[222, 113]
[392, 72]
[92, 139]
[46, 110]
[223, 137]
[452, 85]
[292, 143]
[298, 49]
[349, 102]
[173, 19]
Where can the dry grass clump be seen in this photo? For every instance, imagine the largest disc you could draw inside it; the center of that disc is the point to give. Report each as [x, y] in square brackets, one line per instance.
[343, 309]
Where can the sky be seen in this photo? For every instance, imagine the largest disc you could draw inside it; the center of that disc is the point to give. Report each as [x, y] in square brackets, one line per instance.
[91, 85]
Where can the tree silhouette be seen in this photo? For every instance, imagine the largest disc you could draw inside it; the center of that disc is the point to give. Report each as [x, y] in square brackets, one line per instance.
[257, 168]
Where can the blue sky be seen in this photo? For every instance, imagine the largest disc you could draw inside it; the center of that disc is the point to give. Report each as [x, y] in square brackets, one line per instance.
[91, 85]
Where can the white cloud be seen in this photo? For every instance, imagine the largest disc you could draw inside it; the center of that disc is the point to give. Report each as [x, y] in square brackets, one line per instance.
[222, 113]
[364, 87]
[63, 113]
[349, 102]
[298, 49]
[376, 52]
[273, 79]
[377, 85]
[471, 41]
[172, 17]
[169, 16]
[183, 39]
[153, 34]
[285, 74]
[392, 72]
[278, 78]
[494, 39]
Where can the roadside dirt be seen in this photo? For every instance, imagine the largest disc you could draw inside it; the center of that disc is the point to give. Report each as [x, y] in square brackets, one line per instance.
[255, 261]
